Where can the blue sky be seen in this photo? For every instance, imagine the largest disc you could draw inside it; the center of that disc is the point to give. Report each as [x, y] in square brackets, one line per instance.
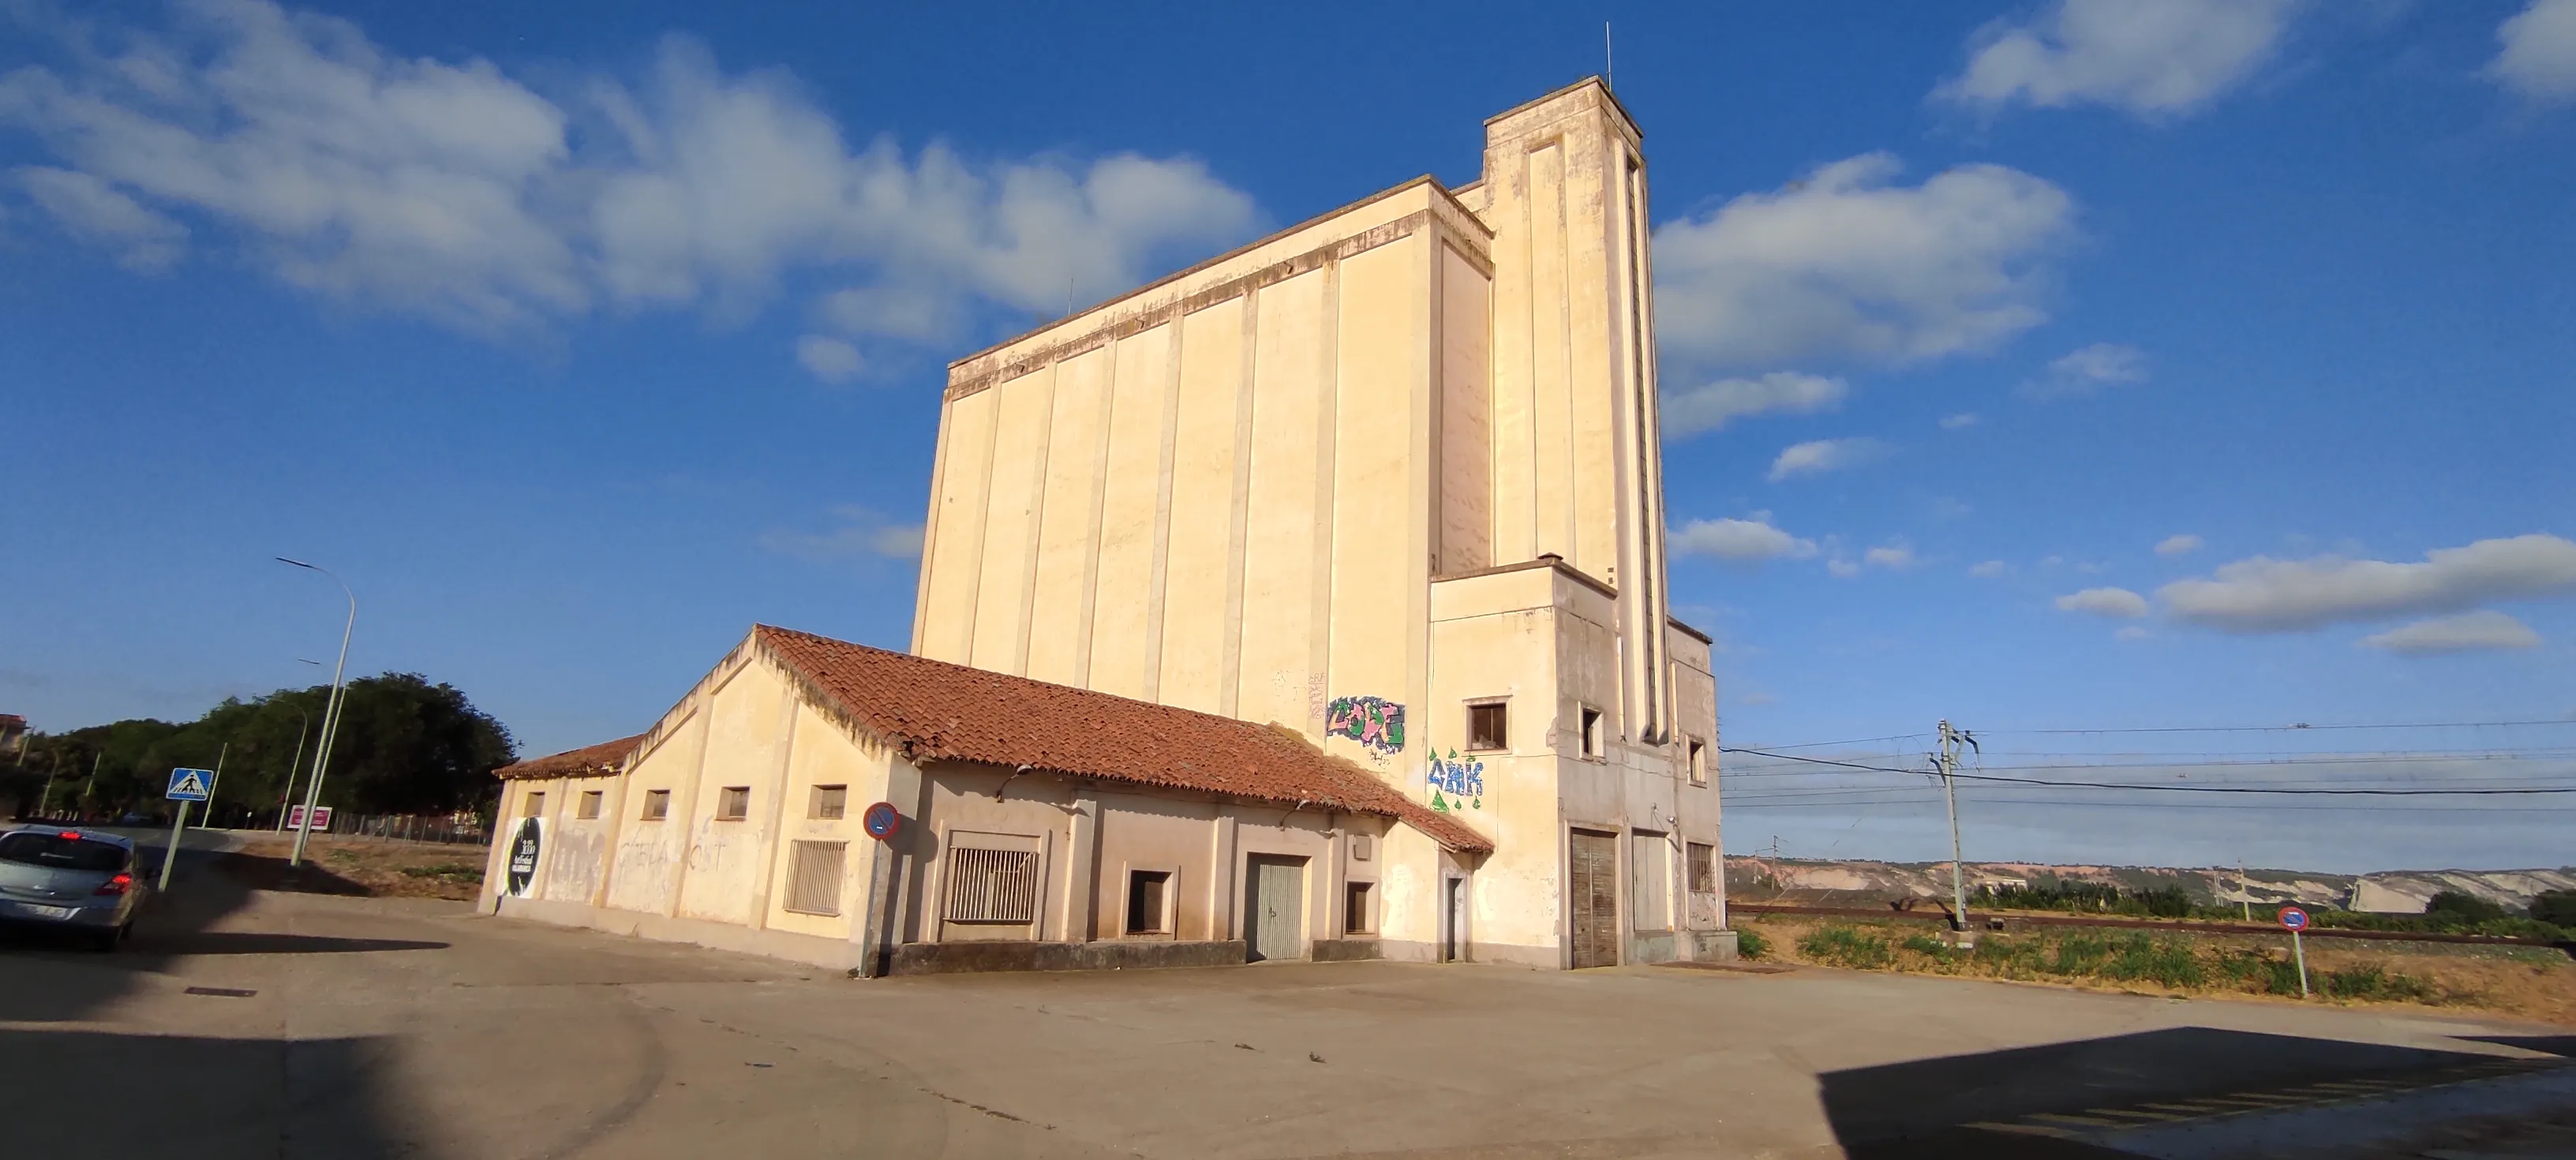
[2045, 366]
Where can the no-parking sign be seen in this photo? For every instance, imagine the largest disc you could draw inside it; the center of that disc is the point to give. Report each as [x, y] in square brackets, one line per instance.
[881, 821]
[2293, 918]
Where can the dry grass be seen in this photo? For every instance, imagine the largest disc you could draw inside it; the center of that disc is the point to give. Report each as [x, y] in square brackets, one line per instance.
[364, 866]
[2532, 983]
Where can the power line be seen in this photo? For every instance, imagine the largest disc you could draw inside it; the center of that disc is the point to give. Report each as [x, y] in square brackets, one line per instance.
[2299, 727]
[2157, 788]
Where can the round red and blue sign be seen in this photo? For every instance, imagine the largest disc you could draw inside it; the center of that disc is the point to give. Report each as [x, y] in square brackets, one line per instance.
[881, 821]
[2293, 918]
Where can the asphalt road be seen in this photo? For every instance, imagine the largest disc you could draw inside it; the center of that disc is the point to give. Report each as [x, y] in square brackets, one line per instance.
[244, 1023]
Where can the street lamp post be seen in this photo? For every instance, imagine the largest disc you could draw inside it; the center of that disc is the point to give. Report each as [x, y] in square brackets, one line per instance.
[330, 715]
[303, 729]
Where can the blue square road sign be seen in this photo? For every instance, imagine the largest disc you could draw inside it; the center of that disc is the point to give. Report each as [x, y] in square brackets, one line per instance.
[190, 785]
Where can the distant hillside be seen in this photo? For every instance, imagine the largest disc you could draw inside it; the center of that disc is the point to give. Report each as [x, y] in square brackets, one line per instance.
[1854, 882]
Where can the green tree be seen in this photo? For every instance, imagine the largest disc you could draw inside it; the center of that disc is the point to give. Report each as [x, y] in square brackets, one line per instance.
[2555, 907]
[2462, 908]
[406, 745]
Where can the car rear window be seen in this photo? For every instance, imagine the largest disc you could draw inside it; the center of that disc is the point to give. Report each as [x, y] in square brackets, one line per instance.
[57, 852]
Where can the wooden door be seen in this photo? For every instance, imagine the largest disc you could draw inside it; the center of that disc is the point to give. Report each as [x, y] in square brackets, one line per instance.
[1274, 910]
[1592, 898]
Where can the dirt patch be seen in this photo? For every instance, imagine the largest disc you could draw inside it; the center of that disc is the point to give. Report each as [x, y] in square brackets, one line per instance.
[361, 866]
[2533, 983]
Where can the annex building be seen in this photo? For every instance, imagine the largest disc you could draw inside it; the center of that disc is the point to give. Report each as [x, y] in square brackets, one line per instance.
[1306, 603]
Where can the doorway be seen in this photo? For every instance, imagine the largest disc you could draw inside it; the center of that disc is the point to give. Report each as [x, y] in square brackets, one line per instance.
[1453, 926]
[1274, 906]
[1592, 898]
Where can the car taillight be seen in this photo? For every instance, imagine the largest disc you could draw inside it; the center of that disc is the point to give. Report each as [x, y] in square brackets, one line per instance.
[116, 885]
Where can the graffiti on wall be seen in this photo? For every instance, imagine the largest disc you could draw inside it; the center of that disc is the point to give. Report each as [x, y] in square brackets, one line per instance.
[1456, 783]
[1371, 721]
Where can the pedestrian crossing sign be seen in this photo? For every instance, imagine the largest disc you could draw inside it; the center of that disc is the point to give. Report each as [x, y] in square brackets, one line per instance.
[189, 785]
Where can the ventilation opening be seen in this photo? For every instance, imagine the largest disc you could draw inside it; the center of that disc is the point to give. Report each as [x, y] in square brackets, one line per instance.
[831, 801]
[999, 886]
[657, 804]
[1149, 893]
[534, 806]
[733, 803]
[814, 877]
[590, 802]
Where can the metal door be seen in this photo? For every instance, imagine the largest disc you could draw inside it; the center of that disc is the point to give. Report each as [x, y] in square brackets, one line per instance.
[1274, 909]
[1592, 898]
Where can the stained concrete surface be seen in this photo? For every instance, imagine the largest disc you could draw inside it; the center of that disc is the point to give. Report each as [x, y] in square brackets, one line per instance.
[382, 1027]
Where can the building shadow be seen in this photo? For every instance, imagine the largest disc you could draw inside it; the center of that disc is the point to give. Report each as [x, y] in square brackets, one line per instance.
[88, 1093]
[1922, 1108]
[2559, 1045]
[50, 975]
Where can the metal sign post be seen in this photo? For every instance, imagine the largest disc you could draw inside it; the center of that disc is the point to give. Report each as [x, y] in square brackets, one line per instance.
[2297, 920]
[186, 785]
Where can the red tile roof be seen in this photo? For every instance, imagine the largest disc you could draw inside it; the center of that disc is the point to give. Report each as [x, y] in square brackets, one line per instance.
[938, 710]
[602, 760]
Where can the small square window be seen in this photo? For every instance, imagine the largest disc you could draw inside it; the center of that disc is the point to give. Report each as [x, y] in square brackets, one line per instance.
[1359, 909]
[657, 804]
[733, 803]
[1703, 868]
[831, 801]
[1148, 894]
[534, 806]
[590, 800]
[1698, 763]
[1591, 722]
[1489, 726]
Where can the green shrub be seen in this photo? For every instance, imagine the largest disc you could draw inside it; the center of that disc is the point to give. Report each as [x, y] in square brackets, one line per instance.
[1846, 946]
[1750, 944]
[1924, 944]
[2169, 962]
[2370, 981]
[2462, 908]
[2555, 907]
[2009, 955]
[2260, 972]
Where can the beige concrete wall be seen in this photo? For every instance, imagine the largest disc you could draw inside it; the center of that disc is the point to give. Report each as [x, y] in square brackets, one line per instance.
[747, 718]
[824, 753]
[577, 848]
[648, 854]
[1264, 469]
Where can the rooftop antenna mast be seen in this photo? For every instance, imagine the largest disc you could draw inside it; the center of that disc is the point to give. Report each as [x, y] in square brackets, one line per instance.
[1608, 75]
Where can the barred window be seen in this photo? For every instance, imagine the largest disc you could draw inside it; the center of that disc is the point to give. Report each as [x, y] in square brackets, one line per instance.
[999, 886]
[1703, 868]
[814, 877]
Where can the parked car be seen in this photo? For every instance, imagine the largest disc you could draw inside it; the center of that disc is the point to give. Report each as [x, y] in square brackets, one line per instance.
[70, 877]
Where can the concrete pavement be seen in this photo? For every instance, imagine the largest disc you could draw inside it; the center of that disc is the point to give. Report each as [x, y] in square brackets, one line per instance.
[379, 1027]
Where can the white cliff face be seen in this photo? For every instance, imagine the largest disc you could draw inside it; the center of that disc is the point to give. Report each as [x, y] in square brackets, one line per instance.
[1857, 882]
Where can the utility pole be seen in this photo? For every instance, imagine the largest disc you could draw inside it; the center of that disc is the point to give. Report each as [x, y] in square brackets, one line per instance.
[93, 782]
[46, 798]
[1949, 762]
[2244, 894]
[208, 821]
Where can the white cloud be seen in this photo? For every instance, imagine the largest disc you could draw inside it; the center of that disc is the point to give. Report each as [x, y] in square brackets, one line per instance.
[2467, 632]
[1712, 406]
[458, 193]
[1989, 570]
[1961, 421]
[2539, 55]
[1842, 567]
[93, 209]
[2088, 370]
[1822, 455]
[2150, 59]
[2116, 602]
[1846, 263]
[1893, 557]
[2262, 594]
[1751, 540]
[862, 532]
[830, 359]
[2131, 632]
[2178, 545]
